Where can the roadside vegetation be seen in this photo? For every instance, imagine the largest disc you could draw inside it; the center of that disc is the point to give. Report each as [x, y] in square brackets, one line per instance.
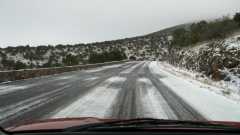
[210, 49]
[205, 31]
[161, 45]
[114, 55]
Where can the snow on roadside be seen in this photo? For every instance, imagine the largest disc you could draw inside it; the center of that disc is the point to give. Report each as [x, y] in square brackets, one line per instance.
[151, 102]
[233, 42]
[227, 89]
[210, 104]
[96, 103]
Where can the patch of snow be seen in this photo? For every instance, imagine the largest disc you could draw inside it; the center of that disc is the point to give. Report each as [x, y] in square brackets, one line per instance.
[233, 85]
[6, 89]
[91, 78]
[96, 103]
[28, 104]
[170, 38]
[232, 43]
[151, 102]
[129, 70]
[19, 57]
[64, 77]
[199, 46]
[230, 89]
[211, 105]
[47, 54]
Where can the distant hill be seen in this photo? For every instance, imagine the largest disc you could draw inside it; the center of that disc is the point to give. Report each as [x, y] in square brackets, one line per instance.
[157, 45]
[147, 47]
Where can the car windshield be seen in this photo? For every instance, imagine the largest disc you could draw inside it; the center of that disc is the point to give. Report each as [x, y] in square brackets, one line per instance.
[119, 60]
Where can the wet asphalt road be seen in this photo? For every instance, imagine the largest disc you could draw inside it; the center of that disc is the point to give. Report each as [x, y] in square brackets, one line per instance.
[123, 91]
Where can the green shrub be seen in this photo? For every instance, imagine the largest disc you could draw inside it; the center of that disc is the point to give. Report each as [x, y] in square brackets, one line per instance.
[203, 31]
[236, 18]
[70, 60]
[114, 55]
[19, 65]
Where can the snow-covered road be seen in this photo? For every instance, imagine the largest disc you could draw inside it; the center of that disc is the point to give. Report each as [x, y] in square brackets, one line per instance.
[129, 90]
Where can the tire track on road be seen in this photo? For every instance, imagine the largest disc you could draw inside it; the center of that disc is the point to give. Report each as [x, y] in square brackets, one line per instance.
[95, 103]
[9, 94]
[78, 88]
[124, 107]
[13, 111]
[150, 102]
[181, 109]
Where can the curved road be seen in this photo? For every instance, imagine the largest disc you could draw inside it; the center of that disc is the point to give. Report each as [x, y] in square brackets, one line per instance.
[127, 90]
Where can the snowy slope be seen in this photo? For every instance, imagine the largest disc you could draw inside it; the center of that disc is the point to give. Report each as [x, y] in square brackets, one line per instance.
[213, 106]
[145, 47]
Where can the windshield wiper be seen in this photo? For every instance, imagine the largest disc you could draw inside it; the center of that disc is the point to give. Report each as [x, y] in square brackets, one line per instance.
[143, 124]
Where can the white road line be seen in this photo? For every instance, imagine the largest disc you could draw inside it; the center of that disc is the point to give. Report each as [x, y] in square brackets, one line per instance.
[97, 103]
[150, 102]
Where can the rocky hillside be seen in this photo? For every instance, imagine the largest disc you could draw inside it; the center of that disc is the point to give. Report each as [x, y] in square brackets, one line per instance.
[208, 57]
[147, 47]
[218, 60]
[211, 50]
[201, 47]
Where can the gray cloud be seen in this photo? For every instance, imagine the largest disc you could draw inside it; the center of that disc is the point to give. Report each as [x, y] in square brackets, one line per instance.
[37, 22]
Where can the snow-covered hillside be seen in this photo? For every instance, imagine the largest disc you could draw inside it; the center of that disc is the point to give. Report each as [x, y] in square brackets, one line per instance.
[217, 59]
[212, 60]
[146, 47]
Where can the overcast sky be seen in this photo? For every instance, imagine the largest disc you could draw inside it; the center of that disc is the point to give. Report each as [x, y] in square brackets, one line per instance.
[37, 22]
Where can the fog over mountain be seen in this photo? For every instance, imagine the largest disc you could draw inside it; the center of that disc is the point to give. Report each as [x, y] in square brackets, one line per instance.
[41, 22]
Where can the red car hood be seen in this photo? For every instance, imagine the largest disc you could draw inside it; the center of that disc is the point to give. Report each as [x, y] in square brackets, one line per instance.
[62, 123]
